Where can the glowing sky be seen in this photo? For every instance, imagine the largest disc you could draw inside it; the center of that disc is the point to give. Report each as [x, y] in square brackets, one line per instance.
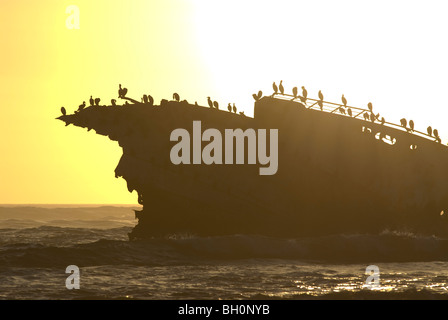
[392, 53]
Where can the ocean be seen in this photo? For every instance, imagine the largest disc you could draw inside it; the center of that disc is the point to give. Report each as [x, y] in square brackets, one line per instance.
[38, 243]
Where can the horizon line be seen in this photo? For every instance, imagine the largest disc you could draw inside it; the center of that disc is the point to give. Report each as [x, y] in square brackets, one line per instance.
[69, 204]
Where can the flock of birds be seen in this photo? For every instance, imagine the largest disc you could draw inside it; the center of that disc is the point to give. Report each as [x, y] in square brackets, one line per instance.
[146, 99]
[343, 109]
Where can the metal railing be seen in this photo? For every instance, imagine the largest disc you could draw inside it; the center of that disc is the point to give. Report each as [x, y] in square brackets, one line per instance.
[331, 107]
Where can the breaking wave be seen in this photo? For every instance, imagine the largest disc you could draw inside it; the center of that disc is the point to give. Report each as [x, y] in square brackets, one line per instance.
[89, 247]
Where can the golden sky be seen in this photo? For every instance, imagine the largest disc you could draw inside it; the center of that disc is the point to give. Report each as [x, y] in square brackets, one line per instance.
[392, 53]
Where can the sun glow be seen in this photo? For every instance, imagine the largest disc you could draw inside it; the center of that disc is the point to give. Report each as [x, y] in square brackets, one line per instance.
[370, 52]
[387, 53]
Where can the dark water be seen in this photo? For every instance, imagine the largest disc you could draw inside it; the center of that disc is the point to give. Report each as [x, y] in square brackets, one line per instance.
[37, 244]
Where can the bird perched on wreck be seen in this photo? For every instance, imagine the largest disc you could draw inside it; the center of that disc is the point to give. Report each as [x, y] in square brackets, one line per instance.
[258, 95]
[113, 102]
[436, 135]
[295, 92]
[176, 97]
[215, 104]
[82, 106]
[64, 112]
[229, 107]
[210, 102]
[411, 125]
[122, 91]
[280, 87]
[304, 95]
[435, 132]
[97, 101]
[403, 122]
[274, 86]
[304, 92]
[234, 108]
[321, 96]
[91, 101]
[150, 100]
[429, 130]
[344, 101]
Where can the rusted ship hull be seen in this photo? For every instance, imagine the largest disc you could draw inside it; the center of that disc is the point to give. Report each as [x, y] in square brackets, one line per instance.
[336, 174]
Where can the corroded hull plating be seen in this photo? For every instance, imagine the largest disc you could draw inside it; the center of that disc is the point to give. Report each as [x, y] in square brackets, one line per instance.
[335, 173]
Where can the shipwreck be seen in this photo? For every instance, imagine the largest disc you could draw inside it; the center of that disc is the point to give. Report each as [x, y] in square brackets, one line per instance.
[341, 169]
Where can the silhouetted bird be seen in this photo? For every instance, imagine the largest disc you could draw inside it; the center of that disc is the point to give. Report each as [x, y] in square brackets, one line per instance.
[280, 86]
[234, 108]
[429, 130]
[113, 101]
[229, 107]
[349, 111]
[150, 100]
[63, 111]
[215, 104]
[344, 101]
[257, 96]
[242, 113]
[321, 96]
[210, 102]
[383, 121]
[176, 97]
[122, 92]
[91, 101]
[82, 106]
[97, 101]
[366, 116]
[403, 122]
[145, 98]
[436, 135]
[304, 92]
[274, 86]
[411, 125]
[196, 104]
[369, 105]
[341, 110]
[372, 117]
[295, 92]
[435, 132]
